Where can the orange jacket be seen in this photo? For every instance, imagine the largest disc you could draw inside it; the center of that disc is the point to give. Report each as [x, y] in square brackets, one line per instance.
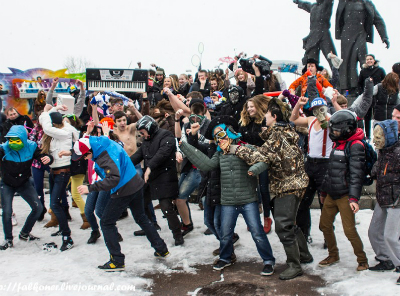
[302, 81]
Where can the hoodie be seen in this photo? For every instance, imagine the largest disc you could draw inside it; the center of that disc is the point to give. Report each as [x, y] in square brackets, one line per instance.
[116, 168]
[385, 170]
[16, 165]
[345, 173]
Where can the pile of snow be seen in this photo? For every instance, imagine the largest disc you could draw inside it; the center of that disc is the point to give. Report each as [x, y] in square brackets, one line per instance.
[27, 266]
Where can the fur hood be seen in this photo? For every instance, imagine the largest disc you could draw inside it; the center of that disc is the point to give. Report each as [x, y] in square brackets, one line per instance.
[376, 65]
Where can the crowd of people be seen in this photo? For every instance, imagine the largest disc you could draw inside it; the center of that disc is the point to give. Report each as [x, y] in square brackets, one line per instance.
[235, 142]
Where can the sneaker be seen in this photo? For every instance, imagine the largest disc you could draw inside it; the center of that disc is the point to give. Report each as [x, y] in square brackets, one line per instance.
[14, 221]
[27, 237]
[142, 233]
[362, 266]
[67, 244]
[329, 261]
[221, 265]
[208, 232]
[383, 266]
[161, 255]
[235, 238]
[309, 240]
[58, 233]
[112, 266]
[187, 228]
[397, 269]
[267, 224]
[268, 270]
[8, 243]
[94, 236]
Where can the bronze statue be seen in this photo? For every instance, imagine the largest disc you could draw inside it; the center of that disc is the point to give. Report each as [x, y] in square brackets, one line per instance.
[320, 38]
[355, 21]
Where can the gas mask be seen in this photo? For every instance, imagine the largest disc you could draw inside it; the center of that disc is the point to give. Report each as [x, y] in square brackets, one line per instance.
[15, 144]
[321, 112]
[234, 97]
[379, 137]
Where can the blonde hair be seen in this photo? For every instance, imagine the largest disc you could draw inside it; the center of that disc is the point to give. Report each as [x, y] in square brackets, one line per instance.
[261, 104]
[174, 83]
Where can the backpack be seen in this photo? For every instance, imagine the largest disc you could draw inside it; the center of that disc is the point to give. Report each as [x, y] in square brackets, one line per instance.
[370, 158]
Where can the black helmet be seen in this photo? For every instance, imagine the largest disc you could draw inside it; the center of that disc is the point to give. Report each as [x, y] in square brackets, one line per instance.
[235, 94]
[147, 123]
[343, 121]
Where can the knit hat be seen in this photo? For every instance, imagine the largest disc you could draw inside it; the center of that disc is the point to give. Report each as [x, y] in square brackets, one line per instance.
[397, 107]
[160, 71]
[56, 117]
[81, 147]
[217, 94]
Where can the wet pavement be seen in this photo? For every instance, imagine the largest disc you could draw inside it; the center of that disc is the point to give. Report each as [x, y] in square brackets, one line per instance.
[242, 278]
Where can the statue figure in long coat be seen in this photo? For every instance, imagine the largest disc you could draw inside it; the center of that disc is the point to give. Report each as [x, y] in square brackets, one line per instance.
[320, 38]
[355, 21]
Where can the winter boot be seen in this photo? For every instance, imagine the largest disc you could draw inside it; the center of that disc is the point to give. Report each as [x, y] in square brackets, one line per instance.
[94, 236]
[53, 221]
[179, 239]
[267, 224]
[186, 228]
[305, 256]
[85, 224]
[41, 217]
[293, 261]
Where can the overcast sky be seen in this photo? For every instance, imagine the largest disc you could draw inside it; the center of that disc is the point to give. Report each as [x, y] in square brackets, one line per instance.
[115, 33]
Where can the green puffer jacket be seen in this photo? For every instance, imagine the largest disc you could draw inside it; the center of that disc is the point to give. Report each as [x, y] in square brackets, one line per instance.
[237, 187]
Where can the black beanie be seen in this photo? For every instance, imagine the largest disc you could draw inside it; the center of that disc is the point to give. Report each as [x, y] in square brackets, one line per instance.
[397, 107]
[56, 117]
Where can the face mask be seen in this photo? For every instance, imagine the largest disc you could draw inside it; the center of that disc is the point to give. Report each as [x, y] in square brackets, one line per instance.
[320, 112]
[15, 144]
[379, 137]
[234, 97]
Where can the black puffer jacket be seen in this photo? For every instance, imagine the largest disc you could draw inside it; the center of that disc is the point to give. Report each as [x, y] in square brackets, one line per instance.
[375, 72]
[384, 103]
[158, 154]
[345, 173]
[23, 120]
[233, 110]
[251, 133]
[387, 173]
[210, 185]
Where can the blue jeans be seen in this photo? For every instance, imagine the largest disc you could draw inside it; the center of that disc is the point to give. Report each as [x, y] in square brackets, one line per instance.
[58, 184]
[111, 214]
[96, 202]
[38, 178]
[263, 181]
[28, 193]
[188, 182]
[212, 218]
[251, 215]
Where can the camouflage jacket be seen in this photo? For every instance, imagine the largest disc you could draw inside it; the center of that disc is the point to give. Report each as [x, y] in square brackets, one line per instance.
[283, 156]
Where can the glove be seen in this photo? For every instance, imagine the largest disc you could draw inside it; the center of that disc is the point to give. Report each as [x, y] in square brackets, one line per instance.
[386, 41]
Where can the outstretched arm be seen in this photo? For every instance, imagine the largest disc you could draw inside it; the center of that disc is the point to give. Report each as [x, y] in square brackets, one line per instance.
[200, 160]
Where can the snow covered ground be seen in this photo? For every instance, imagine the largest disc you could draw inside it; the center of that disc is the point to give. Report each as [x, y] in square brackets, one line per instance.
[27, 267]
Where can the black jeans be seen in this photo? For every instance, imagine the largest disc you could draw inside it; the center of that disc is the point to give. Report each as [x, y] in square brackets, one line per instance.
[111, 214]
[315, 172]
[58, 184]
[170, 213]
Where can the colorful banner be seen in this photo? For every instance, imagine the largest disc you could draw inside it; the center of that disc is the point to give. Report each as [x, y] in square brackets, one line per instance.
[20, 88]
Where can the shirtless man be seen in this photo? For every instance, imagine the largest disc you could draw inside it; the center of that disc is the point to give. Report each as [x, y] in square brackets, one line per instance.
[126, 132]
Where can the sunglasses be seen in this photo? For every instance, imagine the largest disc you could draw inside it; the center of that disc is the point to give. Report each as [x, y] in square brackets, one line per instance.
[220, 135]
[70, 116]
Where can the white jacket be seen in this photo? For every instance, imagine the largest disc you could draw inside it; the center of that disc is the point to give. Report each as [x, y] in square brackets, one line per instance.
[62, 139]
